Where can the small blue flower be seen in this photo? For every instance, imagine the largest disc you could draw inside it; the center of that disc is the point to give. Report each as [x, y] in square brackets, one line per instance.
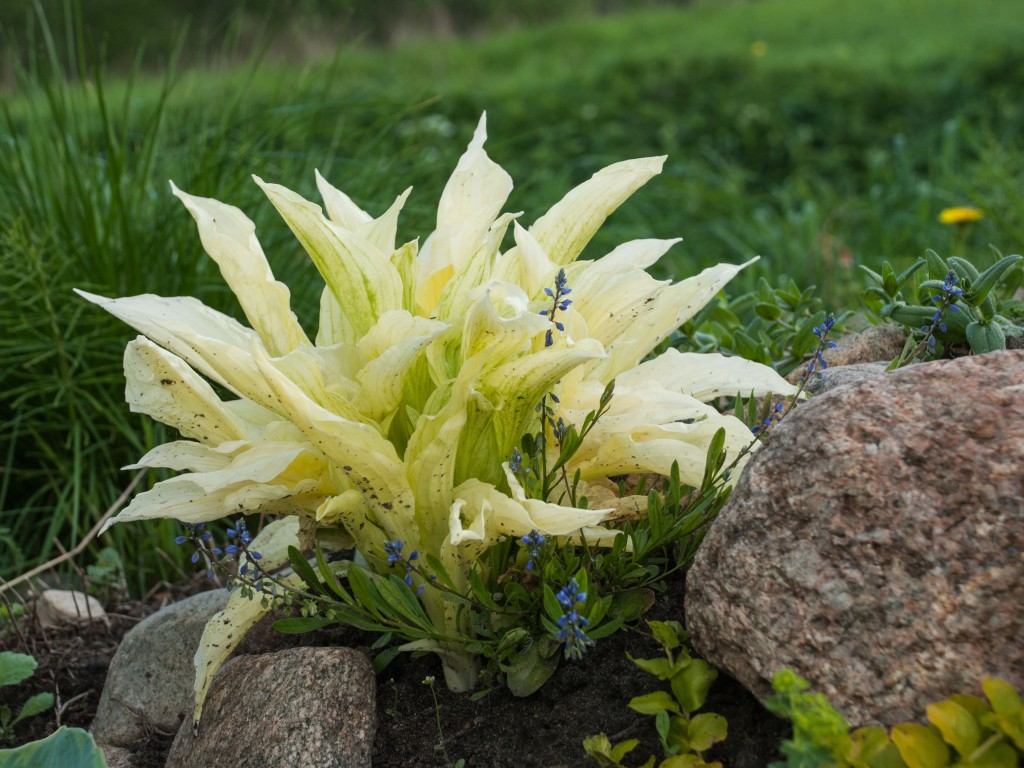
[515, 462]
[393, 549]
[571, 624]
[559, 428]
[558, 303]
[534, 540]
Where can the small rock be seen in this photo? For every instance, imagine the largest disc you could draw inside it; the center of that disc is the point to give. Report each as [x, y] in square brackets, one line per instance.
[150, 682]
[831, 378]
[118, 757]
[874, 544]
[57, 607]
[877, 342]
[309, 707]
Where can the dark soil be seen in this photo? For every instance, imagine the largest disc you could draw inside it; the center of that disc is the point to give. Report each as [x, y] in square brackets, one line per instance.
[544, 730]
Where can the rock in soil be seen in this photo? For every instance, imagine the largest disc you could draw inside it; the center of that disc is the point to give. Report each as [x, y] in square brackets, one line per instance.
[874, 544]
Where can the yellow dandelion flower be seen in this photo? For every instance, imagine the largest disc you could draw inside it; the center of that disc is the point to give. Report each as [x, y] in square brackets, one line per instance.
[758, 49]
[960, 215]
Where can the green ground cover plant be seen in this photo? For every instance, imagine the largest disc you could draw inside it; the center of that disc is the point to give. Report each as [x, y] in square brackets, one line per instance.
[15, 668]
[963, 730]
[826, 147]
[684, 734]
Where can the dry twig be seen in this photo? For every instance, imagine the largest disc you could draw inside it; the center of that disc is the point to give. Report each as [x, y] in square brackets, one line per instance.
[77, 549]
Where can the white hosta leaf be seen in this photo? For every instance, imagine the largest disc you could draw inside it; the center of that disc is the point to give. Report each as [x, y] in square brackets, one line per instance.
[707, 376]
[343, 212]
[212, 343]
[358, 450]
[347, 215]
[430, 463]
[326, 375]
[405, 262]
[394, 345]
[570, 224]
[653, 449]
[333, 327]
[526, 264]
[272, 544]
[225, 351]
[649, 323]
[636, 404]
[360, 276]
[475, 272]
[223, 632]
[470, 202]
[472, 198]
[163, 386]
[500, 322]
[229, 237]
[381, 232]
[266, 472]
[510, 393]
[186, 455]
[481, 515]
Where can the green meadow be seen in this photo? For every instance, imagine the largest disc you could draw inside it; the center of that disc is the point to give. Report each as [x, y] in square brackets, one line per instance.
[819, 135]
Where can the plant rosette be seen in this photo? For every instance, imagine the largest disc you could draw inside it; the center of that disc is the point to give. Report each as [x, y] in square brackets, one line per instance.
[398, 422]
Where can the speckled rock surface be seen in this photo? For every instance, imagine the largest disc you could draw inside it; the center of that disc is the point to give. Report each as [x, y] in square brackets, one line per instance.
[150, 681]
[877, 342]
[839, 375]
[875, 544]
[309, 707]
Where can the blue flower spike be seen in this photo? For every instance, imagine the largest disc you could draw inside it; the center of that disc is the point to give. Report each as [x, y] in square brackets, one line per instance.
[533, 540]
[558, 304]
[571, 624]
[393, 549]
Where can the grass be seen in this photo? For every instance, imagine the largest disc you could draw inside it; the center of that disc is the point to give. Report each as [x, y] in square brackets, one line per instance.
[833, 144]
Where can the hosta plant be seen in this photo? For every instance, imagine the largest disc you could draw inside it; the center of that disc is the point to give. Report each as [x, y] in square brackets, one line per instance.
[400, 424]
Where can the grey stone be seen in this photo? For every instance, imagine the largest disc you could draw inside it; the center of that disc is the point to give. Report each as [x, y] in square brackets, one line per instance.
[837, 376]
[874, 343]
[309, 707]
[118, 757]
[150, 682]
[57, 607]
[875, 543]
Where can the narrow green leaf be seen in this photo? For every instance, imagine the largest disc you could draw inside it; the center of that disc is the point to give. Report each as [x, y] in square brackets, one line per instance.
[327, 574]
[301, 624]
[304, 570]
[991, 276]
[35, 705]
[437, 569]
